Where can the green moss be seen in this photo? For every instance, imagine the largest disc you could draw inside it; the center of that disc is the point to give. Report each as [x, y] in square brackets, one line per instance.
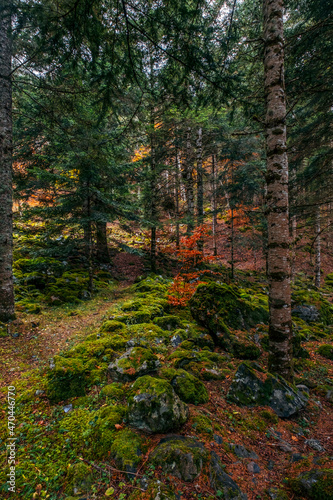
[245, 350]
[127, 449]
[135, 362]
[202, 424]
[314, 485]
[326, 350]
[269, 416]
[114, 391]
[220, 307]
[68, 378]
[156, 491]
[169, 322]
[315, 298]
[79, 478]
[112, 326]
[188, 387]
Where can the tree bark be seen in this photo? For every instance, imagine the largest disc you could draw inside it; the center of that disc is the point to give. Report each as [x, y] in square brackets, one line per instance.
[188, 181]
[317, 248]
[214, 206]
[177, 194]
[102, 250]
[200, 195]
[280, 329]
[153, 207]
[6, 148]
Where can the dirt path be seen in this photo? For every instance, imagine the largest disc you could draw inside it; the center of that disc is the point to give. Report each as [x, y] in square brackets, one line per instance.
[43, 336]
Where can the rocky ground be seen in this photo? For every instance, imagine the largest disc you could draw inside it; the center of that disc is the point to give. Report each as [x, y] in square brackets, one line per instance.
[149, 401]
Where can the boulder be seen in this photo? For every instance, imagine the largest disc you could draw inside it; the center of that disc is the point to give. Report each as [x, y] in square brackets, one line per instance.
[307, 313]
[219, 307]
[180, 456]
[316, 484]
[220, 481]
[134, 363]
[187, 386]
[251, 387]
[241, 452]
[154, 406]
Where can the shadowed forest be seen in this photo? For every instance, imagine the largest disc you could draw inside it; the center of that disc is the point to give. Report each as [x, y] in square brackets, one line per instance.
[166, 250]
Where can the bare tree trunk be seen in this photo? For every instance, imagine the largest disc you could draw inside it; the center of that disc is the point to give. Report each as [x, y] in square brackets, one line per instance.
[280, 329]
[177, 194]
[188, 181]
[214, 205]
[153, 208]
[102, 250]
[200, 191]
[6, 148]
[317, 248]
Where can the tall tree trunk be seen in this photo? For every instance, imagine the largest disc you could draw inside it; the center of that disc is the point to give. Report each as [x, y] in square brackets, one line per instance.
[280, 329]
[214, 205]
[177, 195]
[153, 208]
[200, 191]
[188, 181]
[6, 200]
[102, 250]
[317, 248]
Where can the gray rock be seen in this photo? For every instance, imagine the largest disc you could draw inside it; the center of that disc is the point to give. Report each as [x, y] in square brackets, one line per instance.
[314, 444]
[176, 340]
[241, 452]
[306, 313]
[252, 387]
[296, 457]
[219, 480]
[218, 439]
[270, 465]
[303, 388]
[329, 396]
[68, 408]
[253, 468]
[155, 407]
[39, 392]
[134, 363]
[180, 456]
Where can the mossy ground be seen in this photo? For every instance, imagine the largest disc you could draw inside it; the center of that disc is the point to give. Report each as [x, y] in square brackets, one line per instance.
[85, 337]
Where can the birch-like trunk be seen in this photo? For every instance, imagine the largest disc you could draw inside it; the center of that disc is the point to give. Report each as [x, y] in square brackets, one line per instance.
[200, 194]
[280, 330]
[153, 207]
[6, 148]
[188, 181]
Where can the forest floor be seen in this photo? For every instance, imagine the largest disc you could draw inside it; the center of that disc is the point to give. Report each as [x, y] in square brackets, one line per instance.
[54, 434]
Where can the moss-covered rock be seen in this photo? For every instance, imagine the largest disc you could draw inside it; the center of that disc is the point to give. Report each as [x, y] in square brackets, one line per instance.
[188, 387]
[148, 333]
[111, 326]
[114, 391]
[203, 364]
[68, 377]
[180, 456]
[219, 307]
[170, 322]
[79, 479]
[252, 387]
[326, 350]
[154, 406]
[245, 350]
[316, 484]
[126, 449]
[134, 363]
[307, 302]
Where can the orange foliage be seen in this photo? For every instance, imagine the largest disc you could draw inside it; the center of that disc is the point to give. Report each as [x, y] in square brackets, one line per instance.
[188, 278]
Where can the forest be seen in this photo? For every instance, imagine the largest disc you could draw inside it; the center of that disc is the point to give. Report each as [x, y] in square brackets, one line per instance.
[166, 249]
